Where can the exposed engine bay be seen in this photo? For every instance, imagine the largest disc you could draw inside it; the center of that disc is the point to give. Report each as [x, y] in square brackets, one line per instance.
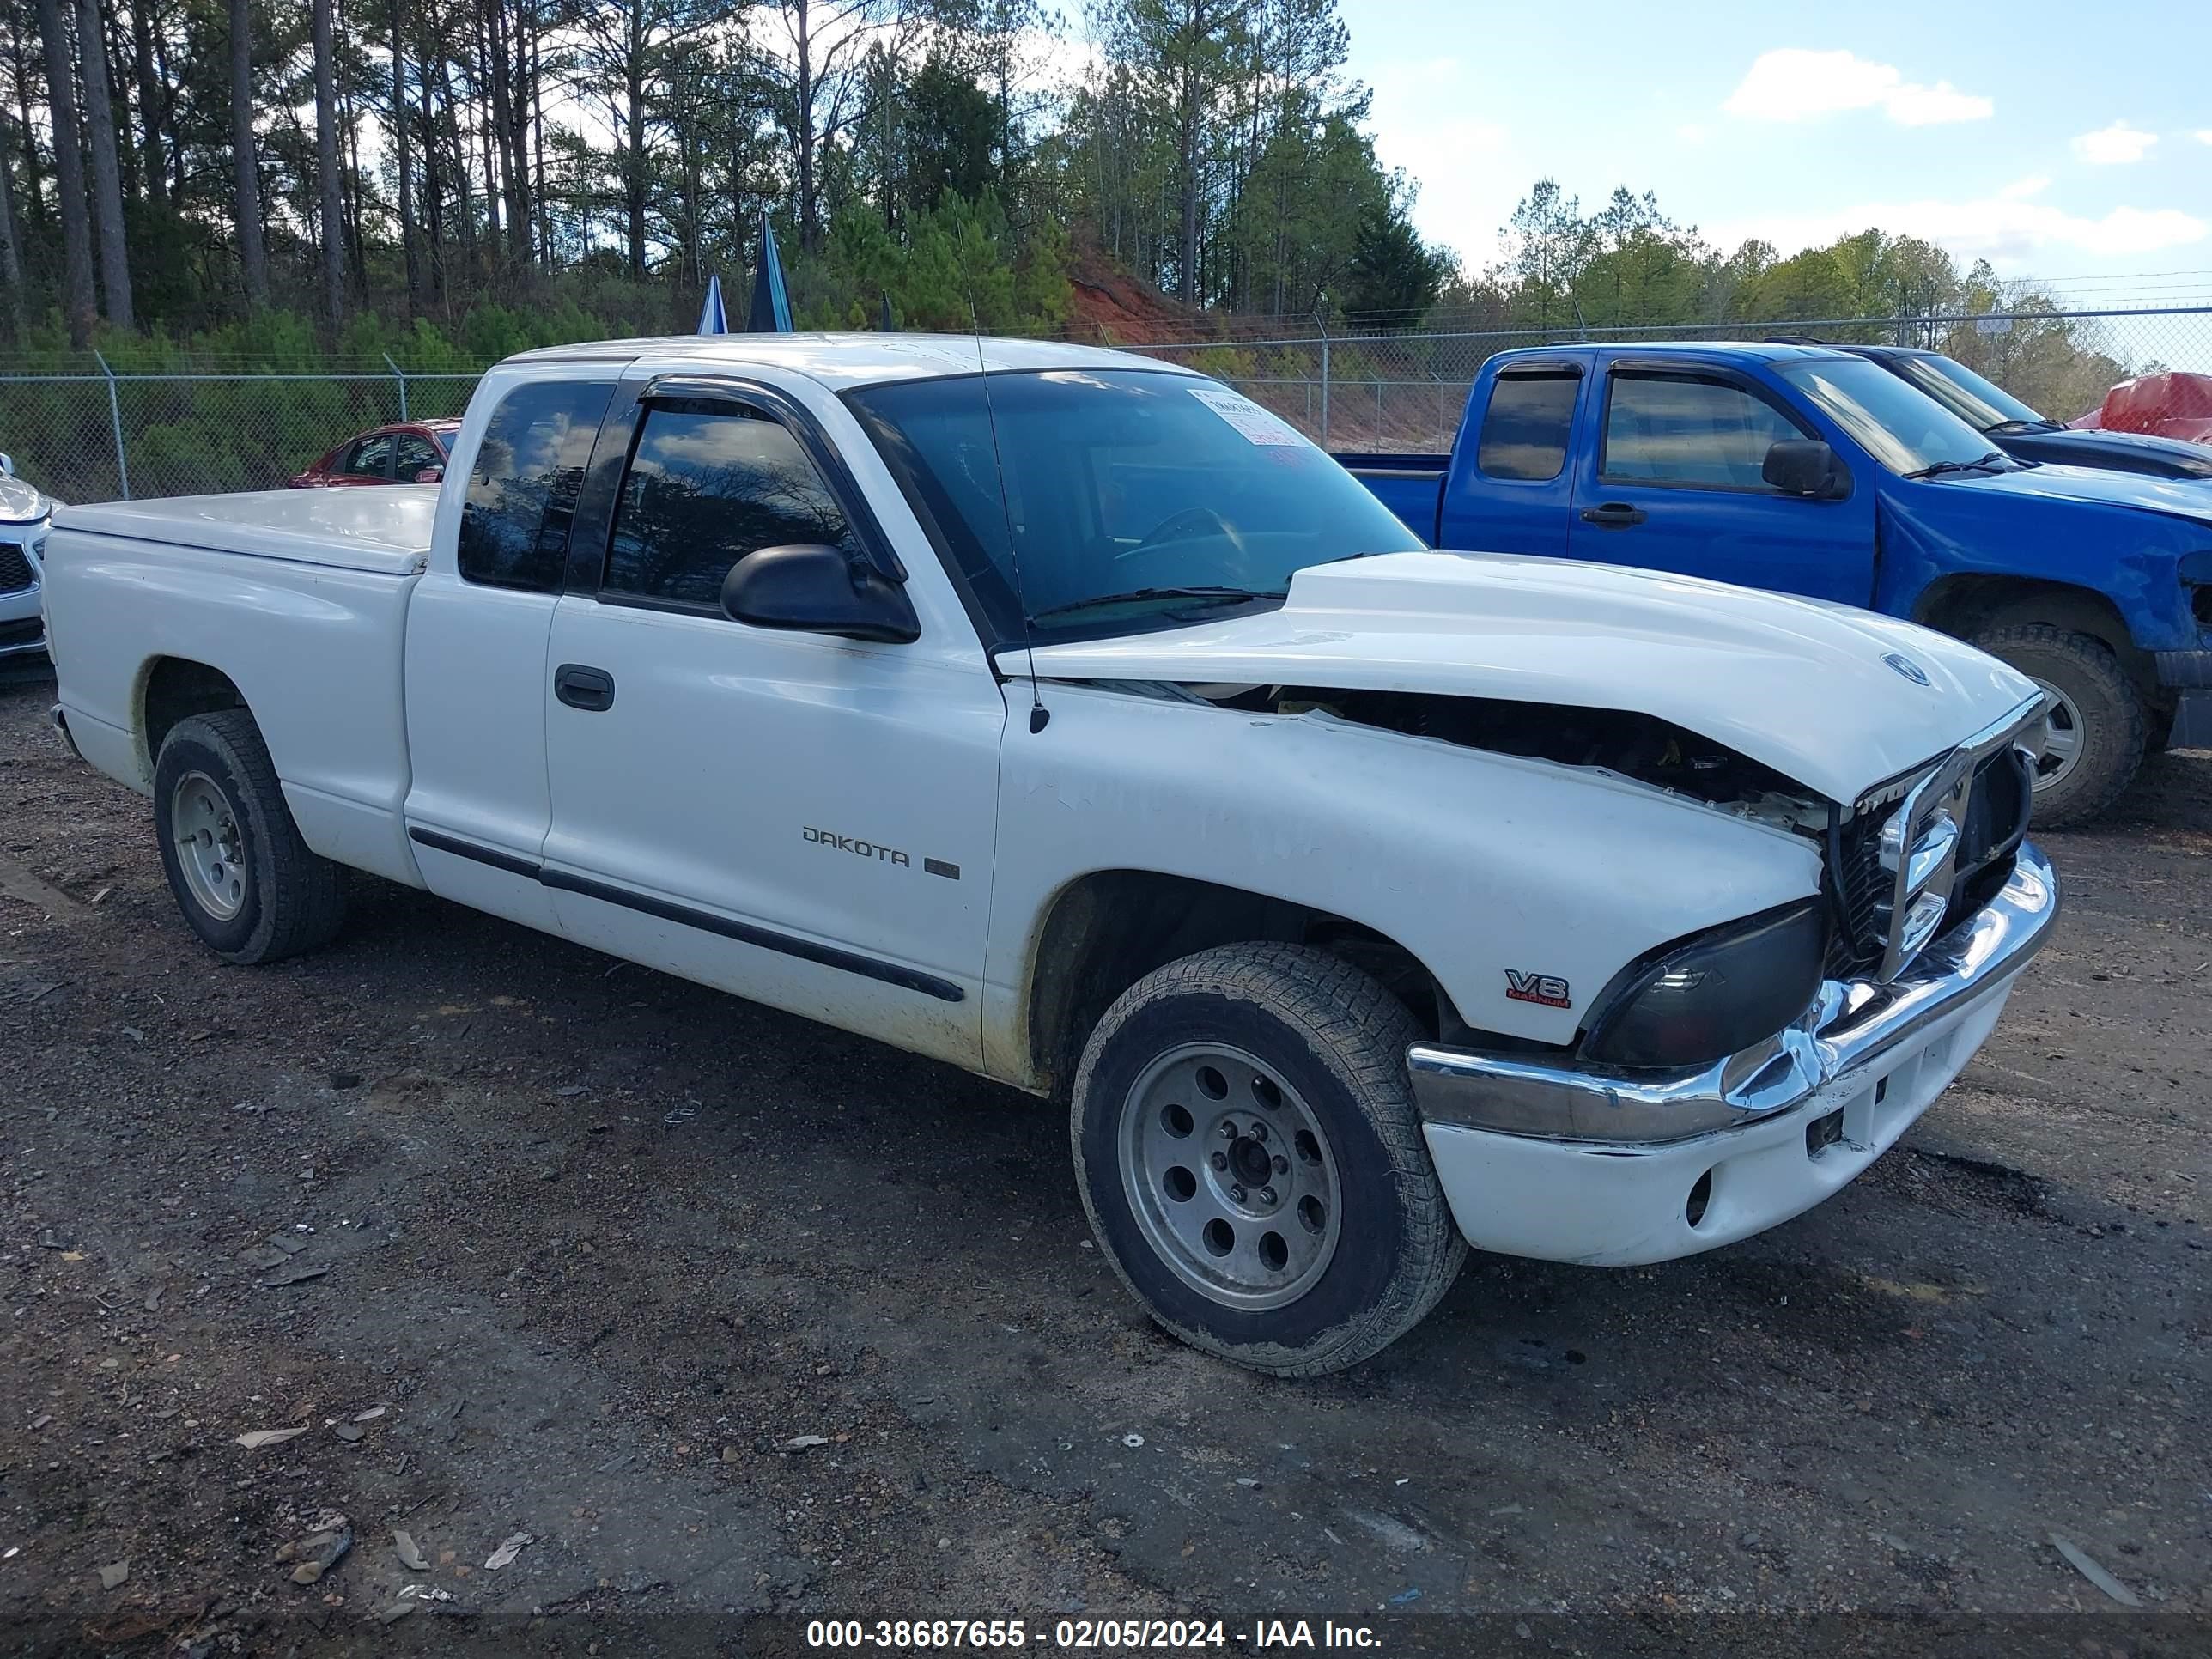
[1639, 747]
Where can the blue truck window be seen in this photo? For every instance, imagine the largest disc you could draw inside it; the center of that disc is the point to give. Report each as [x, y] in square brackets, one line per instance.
[1684, 430]
[522, 492]
[1526, 429]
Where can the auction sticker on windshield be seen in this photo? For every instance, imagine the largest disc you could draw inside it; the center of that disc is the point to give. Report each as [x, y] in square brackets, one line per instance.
[1254, 423]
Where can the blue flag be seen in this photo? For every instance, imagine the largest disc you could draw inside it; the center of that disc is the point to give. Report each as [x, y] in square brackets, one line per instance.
[771, 307]
[713, 320]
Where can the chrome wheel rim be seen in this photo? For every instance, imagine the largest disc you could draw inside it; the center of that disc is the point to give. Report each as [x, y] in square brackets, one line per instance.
[2062, 739]
[1228, 1174]
[210, 850]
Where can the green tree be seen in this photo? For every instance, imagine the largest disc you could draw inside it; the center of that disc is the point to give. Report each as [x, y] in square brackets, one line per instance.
[1394, 276]
[1547, 244]
[953, 137]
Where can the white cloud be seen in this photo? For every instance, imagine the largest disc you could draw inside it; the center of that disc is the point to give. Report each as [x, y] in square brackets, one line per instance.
[1793, 83]
[2008, 226]
[2204, 134]
[1927, 106]
[1693, 132]
[1467, 169]
[2115, 145]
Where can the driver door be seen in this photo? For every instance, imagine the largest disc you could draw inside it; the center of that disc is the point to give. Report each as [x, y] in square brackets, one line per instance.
[804, 820]
[1673, 483]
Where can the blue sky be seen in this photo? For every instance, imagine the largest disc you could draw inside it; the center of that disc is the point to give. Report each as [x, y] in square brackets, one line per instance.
[2067, 142]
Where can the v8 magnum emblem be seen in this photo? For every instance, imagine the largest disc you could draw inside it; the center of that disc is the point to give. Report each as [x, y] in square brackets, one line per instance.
[1546, 988]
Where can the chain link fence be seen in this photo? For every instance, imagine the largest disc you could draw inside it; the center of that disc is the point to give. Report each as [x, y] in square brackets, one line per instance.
[103, 437]
[1403, 393]
[90, 435]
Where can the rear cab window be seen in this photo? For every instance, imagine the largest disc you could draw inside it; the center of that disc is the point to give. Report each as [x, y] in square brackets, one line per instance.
[1529, 423]
[524, 483]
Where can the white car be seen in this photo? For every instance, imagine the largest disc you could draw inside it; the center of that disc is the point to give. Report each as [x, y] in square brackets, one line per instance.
[24, 516]
[1067, 716]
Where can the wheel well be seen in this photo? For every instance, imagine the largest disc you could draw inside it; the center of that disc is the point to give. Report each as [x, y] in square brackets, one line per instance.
[1964, 606]
[176, 690]
[1109, 929]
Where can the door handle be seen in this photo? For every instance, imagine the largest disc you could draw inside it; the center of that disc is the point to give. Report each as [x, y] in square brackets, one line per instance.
[1613, 515]
[588, 689]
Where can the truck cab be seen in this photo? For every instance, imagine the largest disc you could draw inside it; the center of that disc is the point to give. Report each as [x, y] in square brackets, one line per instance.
[1813, 471]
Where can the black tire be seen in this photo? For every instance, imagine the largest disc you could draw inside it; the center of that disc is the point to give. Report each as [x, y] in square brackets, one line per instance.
[289, 899]
[2113, 723]
[1338, 1041]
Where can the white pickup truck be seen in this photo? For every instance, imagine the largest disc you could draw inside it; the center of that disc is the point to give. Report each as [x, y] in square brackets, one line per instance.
[1067, 716]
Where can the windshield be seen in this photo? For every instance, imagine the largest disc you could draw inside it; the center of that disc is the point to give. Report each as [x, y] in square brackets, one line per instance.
[1980, 404]
[1901, 426]
[1143, 483]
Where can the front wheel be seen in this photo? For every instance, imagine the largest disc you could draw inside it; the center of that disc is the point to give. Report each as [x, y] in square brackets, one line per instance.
[1249, 1155]
[2099, 726]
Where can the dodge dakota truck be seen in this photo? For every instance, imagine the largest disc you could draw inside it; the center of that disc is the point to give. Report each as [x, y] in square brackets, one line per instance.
[1069, 718]
[1812, 470]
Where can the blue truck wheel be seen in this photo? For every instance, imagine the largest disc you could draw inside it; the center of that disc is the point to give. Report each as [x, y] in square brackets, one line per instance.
[2099, 728]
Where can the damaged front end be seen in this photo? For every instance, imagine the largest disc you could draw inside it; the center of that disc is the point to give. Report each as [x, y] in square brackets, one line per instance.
[1908, 858]
[1709, 1130]
[1639, 747]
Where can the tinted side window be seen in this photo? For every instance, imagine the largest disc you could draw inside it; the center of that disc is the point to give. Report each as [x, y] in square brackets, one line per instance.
[413, 455]
[708, 484]
[1525, 430]
[522, 493]
[1674, 429]
[371, 457]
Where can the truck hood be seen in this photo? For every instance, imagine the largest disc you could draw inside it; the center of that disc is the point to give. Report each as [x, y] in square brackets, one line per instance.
[1807, 688]
[2183, 498]
[2133, 452]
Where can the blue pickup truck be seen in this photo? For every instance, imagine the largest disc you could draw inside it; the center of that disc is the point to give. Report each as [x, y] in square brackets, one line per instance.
[1816, 471]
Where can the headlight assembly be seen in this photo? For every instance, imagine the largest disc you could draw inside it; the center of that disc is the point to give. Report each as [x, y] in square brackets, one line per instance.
[1714, 994]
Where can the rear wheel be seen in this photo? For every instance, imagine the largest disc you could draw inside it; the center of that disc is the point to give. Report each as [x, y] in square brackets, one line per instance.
[1249, 1155]
[2099, 725]
[249, 885]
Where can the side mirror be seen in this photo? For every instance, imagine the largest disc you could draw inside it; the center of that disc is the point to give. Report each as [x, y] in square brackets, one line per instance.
[814, 589]
[431, 475]
[7, 466]
[1805, 466]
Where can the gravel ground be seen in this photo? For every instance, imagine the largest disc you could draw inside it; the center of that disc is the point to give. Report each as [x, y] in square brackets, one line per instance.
[593, 1247]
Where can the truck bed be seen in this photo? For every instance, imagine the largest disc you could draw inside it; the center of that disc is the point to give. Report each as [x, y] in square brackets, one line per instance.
[292, 602]
[1411, 486]
[384, 532]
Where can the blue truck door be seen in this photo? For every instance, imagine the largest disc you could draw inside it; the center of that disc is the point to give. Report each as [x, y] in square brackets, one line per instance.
[1667, 478]
[1510, 487]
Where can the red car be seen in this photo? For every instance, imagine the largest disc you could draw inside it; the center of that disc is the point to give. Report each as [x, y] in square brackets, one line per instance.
[2171, 405]
[413, 452]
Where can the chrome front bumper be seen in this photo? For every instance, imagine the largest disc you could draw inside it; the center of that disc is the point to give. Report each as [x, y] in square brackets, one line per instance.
[1850, 1027]
[1572, 1163]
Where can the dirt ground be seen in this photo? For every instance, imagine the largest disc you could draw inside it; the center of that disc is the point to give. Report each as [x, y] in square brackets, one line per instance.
[591, 1248]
